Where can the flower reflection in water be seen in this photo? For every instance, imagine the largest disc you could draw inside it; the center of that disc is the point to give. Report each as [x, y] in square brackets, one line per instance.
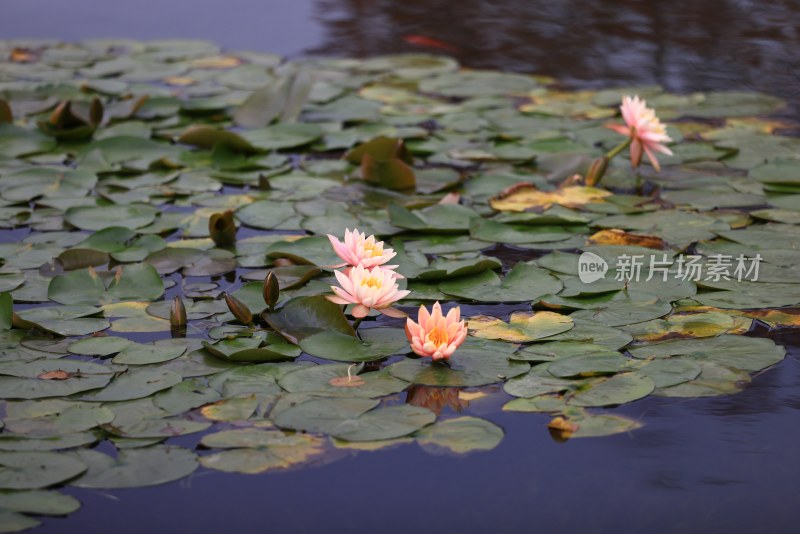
[436, 399]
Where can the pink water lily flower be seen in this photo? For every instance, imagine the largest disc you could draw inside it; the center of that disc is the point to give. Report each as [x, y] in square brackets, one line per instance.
[358, 249]
[368, 289]
[435, 335]
[645, 130]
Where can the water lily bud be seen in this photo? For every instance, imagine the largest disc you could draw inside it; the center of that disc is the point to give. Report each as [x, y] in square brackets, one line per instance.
[271, 290]
[5, 112]
[177, 313]
[238, 309]
[596, 171]
[222, 229]
[636, 153]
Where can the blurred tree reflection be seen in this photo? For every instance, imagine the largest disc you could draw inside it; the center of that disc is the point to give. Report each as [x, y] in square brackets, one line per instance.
[685, 45]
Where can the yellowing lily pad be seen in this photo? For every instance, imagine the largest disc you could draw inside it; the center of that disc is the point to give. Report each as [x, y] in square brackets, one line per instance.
[528, 197]
[521, 326]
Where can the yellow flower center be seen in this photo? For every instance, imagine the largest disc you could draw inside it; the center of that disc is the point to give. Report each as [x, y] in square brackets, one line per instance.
[437, 336]
[374, 283]
[373, 249]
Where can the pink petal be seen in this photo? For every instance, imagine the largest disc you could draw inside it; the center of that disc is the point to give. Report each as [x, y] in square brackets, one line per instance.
[360, 311]
[392, 312]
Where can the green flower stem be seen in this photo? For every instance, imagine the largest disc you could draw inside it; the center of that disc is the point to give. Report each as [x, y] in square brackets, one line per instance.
[356, 323]
[619, 148]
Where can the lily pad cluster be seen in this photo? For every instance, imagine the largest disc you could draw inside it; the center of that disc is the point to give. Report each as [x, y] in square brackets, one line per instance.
[164, 265]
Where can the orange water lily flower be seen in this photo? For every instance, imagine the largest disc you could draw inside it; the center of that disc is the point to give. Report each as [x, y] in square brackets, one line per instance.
[368, 289]
[647, 133]
[435, 335]
[358, 249]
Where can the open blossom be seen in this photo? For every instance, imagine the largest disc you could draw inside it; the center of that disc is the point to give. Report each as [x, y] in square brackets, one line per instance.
[358, 249]
[645, 130]
[368, 289]
[435, 335]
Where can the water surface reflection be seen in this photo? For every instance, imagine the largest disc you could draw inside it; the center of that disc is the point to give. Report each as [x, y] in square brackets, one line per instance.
[683, 45]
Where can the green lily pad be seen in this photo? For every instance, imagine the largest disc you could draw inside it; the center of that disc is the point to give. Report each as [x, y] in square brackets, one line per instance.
[242, 349]
[31, 380]
[619, 389]
[588, 365]
[13, 442]
[135, 384]
[39, 502]
[375, 344]
[341, 380]
[35, 470]
[523, 283]
[714, 380]
[461, 435]
[159, 352]
[132, 216]
[135, 468]
[303, 317]
[354, 419]
[54, 417]
[670, 371]
[745, 353]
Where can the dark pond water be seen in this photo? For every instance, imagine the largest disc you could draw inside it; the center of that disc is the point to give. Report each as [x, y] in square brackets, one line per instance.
[709, 465]
[727, 464]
